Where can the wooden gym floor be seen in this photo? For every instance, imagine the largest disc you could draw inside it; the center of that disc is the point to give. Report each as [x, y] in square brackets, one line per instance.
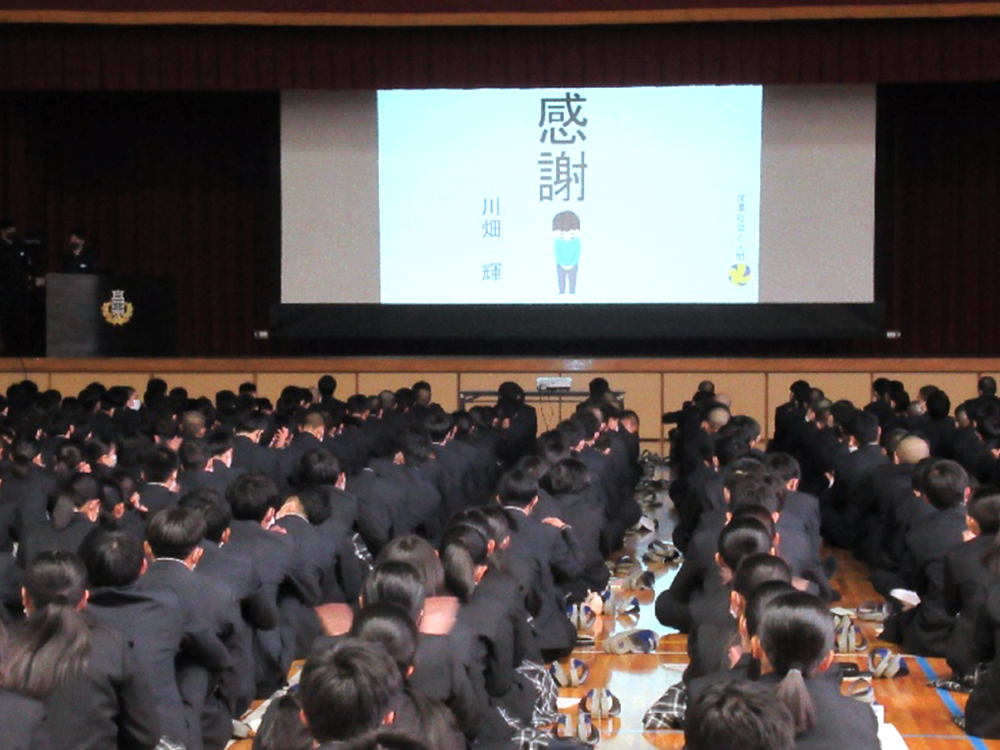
[921, 714]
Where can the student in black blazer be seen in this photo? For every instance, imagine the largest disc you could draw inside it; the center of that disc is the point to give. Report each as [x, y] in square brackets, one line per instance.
[158, 490]
[795, 645]
[925, 629]
[970, 569]
[172, 544]
[152, 621]
[96, 696]
[74, 513]
[981, 716]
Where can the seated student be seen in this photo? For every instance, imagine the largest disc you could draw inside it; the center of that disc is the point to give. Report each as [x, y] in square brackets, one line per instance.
[970, 568]
[152, 620]
[795, 646]
[981, 716]
[444, 661]
[349, 691]
[758, 579]
[416, 713]
[158, 490]
[579, 506]
[713, 628]
[240, 576]
[738, 715]
[925, 628]
[254, 502]
[27, 486]
[74, 513]
[95, 694]
[248, 453]
[173, 539]
[281, 727]
[890, 484]
[843, 506]
[196, 468]
[797, 503]
[555, 556]
[413, 470]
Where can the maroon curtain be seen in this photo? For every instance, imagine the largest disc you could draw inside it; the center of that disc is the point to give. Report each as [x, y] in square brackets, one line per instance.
[177, 184]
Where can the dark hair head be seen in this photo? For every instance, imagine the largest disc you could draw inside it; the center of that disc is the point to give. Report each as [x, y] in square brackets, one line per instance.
[281, 727]
[598, 387]
[415, 445]
[738, 715]
[396, 583]
[567, 477]
[938, 404]
[783, 466]
[987, 385]
[193, 454]
[318, 466]
[211, 506]
[862, 426]
[175, 532]
[552, 447]
[113, 558]
[464, 548]
[393, 628]
[729, 448]
[796, 634]
[327, 385]
[348, 689]
[159, 464]
[417, 552]
[741, 538]
[944, 484]
[251, 496]
[54, 645]
[755, 491]
[518, 488]
[756, 569]
[439, 425]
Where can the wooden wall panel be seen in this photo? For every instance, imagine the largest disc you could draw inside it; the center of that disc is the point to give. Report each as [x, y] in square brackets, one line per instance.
[71, 383]
[10, 377]
[854, 386]
[270, 384]
[444, 385]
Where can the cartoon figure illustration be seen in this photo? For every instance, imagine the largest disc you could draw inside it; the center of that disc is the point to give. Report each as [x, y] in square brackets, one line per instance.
[566, 234]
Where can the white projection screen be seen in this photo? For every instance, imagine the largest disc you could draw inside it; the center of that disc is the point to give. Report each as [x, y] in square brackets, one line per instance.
[707, 194]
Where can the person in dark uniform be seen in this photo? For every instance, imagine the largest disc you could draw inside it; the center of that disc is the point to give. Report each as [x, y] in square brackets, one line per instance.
[15, 274]
[80, 259]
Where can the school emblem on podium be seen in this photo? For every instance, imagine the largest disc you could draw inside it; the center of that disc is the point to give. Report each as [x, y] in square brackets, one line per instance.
[117, 311]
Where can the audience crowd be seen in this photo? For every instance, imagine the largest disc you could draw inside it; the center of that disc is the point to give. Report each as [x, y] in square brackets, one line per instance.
[165, 558]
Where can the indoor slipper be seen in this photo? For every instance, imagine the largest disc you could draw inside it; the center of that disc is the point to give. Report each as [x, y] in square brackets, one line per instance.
[874, 611]
[885, 664]
[586, 731]
[582, 616]
[600, 704]
[641, 580]
[570, 675]
[632, 642]
[861, 690]
[626, 607]
[850, 640]
[563, 729]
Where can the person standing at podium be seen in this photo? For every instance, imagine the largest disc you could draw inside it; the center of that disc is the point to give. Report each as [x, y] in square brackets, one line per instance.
[15, 274]
[80, 258]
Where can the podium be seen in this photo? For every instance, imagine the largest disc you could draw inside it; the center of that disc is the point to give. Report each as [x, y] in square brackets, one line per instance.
[110, 315]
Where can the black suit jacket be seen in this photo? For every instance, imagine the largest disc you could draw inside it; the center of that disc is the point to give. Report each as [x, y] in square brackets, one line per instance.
[108, 705]
[153, 623]
[156, 497]
[21, 719]
[966, 583]
[254, 458]
[927, 627]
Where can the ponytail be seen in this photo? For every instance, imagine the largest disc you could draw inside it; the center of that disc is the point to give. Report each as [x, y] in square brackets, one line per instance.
[796, 634]
[54, 644]
[463, 549]
[792, 691]
[62, 511]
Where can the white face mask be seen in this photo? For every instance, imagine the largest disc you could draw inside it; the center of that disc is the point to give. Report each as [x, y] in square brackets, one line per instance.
[111, 460]
[134, 404]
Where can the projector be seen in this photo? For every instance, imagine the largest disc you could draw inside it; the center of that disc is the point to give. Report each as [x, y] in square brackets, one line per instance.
[553, 384]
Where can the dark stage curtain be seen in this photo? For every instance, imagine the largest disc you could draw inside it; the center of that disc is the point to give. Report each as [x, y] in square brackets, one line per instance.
[187, 183]
[178, 184]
